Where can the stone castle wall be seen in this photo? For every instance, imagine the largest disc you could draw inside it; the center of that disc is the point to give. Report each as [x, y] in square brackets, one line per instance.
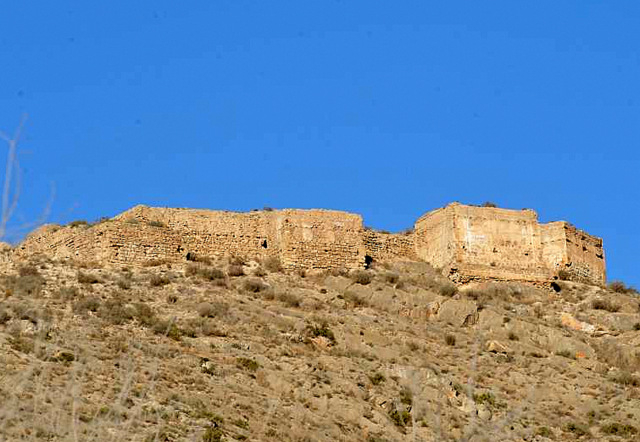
[318, 239]
[467, 242]
[381, 246]
[476, 243]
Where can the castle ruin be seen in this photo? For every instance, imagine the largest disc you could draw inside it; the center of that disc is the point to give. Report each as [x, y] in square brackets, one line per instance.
[468, 243]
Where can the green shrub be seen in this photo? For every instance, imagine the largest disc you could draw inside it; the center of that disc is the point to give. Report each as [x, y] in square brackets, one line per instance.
[544, 432]
[577, 429]
[618, 429]
[450, 339]
[406, 396]
[400, 418]
[486, 398]
[154, 223]
[377, 378]
[247, 364]
[321, 330]
[212, 434]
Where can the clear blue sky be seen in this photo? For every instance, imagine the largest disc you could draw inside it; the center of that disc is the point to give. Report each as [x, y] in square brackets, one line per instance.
[387, 109]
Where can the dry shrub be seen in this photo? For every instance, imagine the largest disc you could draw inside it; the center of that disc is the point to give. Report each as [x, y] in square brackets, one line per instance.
[564, 275]
[627, 379]
[236, 260]
[212, 309]
[5, 315]
[123, 283]
[235, 270]
[86, 304]
[447, 288]
[254, 285]
[88, 278]
[272, 264]
[613, 354]
[27, 285]
[289, 299]
[78, 223]
[194, 257]
[156, 262]
[390, 277]
[260, 272]
[362, 277]
[204, 272]
[168, 327]
[621, 287]
[605, 304]
[118, 313]
[159, 280]
[354, 299]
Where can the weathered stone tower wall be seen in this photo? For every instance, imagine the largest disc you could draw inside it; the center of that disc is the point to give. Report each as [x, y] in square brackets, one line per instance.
[475, 243]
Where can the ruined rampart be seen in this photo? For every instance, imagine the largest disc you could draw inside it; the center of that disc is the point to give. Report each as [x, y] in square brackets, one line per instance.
[468, 243]
[478, 243]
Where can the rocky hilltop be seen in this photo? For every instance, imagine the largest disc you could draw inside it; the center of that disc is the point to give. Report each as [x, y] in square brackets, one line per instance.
[233, 348]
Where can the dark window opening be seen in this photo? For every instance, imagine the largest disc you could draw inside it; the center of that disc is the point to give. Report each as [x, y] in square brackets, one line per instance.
[555, 286]
[367, 261]
[264, 244]
[191, 256]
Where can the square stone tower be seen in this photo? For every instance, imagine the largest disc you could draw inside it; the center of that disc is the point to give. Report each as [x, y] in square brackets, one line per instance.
[484, 243]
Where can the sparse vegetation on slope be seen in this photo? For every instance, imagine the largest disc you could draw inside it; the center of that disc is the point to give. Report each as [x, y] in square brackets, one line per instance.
[394, 353]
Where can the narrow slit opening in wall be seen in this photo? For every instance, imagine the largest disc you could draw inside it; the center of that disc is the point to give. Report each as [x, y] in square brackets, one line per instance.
[367, 261]
[264, 244]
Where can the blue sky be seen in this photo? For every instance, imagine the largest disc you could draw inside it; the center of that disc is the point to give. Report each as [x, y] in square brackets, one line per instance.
[387, 109]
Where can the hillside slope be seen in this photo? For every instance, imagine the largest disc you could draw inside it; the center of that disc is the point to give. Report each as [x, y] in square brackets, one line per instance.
[228, 351]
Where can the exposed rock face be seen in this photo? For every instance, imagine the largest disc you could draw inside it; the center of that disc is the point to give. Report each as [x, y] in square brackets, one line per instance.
[469, 243]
